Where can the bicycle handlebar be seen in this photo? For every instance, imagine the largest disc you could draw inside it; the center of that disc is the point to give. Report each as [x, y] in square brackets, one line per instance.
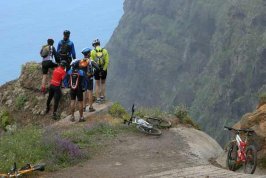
[239, 130]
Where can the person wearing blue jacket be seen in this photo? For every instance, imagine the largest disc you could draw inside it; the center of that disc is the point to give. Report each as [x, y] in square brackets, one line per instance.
[76, 82]
[66, 49]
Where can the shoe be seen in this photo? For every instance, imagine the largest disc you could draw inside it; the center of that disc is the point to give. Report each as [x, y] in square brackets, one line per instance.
[72, 119]
[102, 98]
[91, 109]
[81, 119]
[98, 100]
[56, 116]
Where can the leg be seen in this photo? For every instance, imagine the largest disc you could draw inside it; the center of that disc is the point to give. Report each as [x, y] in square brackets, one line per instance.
[80, 101]
[72, 107]
[97, 88]
[44, 77]
[57, 97]
[85, 98]
[103, 88]
[81, 109]
[50, 97]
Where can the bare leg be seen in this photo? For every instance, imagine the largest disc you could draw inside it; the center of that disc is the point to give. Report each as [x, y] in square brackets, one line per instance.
[81, 108]
[44, 77]
[90, 96]
[72, 105]
[97, 88]
[103, 88]
[85, 96]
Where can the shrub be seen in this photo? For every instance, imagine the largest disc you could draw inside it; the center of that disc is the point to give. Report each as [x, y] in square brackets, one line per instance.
[262, 98]
[118, 111]
[5, 119]
[181, 112]
[20, 101]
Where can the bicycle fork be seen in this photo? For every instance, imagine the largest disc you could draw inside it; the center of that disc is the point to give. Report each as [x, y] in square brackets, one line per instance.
[241, 155]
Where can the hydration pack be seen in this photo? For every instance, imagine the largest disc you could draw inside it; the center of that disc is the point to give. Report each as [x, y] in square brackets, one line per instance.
[74, 79]
[65, 48]
[99, 57]
[46, 51]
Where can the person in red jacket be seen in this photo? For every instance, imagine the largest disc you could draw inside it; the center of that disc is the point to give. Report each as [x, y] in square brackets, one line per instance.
[55, 87]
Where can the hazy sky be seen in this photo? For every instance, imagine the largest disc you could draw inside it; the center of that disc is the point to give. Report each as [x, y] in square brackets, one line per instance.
[25, 26]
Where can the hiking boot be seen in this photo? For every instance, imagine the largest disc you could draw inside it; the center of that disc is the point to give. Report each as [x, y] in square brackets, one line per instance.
[98, 100]
[91, 109]
[72, 119]
[81, 119]
[56, 116]
[102, 98]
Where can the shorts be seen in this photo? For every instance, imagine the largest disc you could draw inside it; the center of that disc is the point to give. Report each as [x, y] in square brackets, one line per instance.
[46, 65]
[89, 84]
[77, 93]
[100, 74]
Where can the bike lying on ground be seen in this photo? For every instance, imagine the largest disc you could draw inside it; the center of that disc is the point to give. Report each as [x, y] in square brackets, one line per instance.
[240, 153]
[28, 168]
[158, 122]
[142, 125]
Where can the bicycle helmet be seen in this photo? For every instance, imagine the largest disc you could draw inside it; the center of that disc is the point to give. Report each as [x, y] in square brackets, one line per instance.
[63, 64]
[96, 42]
[66, 33]
[86, 51]
[50, 41]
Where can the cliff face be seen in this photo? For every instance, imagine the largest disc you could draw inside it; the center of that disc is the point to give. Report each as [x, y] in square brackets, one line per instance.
[206, 54]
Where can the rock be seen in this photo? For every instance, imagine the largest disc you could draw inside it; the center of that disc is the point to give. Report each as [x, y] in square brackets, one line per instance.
[63, 114]
[9, 102]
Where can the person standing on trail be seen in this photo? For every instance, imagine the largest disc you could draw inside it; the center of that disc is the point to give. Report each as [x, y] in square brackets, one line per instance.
[55, 88]
[101, 57]
[75, 80]
[66, 49]
[48, 52]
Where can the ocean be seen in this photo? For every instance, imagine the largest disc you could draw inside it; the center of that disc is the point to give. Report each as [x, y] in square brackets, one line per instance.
[26, 25]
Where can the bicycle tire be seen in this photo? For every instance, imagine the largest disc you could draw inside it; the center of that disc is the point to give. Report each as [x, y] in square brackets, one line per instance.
[231, 160]
[158, 122]
[251, 160]
[38, 167]
[149, 131]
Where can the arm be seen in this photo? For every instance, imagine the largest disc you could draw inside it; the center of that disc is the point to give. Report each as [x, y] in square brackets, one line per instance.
[57, 60]
[59, 46]
[106, 58]
[73, 52]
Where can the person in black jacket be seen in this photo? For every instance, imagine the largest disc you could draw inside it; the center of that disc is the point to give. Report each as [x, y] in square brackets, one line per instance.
[49, 56]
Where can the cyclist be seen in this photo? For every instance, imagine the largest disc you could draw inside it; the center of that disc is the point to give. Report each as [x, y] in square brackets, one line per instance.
[101, 57]
[66, 49]
[55, 88]
[75, 80]
[48, 52]
[89, 66]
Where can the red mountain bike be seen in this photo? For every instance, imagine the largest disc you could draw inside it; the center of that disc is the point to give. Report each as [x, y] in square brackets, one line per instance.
[240, 153]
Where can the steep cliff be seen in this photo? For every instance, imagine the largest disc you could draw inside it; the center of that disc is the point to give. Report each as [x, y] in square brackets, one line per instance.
[206, 54]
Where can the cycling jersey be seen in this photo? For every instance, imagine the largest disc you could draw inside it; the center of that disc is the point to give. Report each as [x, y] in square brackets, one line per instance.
[102, 61]
[58, 75]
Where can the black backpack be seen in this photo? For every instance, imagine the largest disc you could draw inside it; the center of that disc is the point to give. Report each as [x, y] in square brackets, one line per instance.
[74, 79]
[65, 48]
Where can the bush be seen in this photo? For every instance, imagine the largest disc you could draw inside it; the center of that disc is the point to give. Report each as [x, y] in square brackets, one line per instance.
[262, 98]
[181, 112]
[151, 112]
[20, 101]
[5, 119]
[118, 111]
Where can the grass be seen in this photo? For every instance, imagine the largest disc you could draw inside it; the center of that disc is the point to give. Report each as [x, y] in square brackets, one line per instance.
[20, 101]
[5, 119]
[57, 149]
[118, 111]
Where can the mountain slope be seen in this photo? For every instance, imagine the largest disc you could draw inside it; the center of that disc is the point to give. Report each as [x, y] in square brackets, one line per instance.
[206, 54]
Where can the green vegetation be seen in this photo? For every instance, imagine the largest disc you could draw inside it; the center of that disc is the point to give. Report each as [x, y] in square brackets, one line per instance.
[118, 111]
[5, 119]
[262, 98]
[20, 101]
[181, 112]
[57, 149]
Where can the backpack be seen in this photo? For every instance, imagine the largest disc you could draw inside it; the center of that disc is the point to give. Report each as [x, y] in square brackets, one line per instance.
[99, 56]
[65, 48]
[74, 79]
[45, 51]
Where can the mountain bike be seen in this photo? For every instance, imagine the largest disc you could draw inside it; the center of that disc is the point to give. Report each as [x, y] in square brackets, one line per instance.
[28, 168]
[158, 122]
[142, 125]
[240, 153]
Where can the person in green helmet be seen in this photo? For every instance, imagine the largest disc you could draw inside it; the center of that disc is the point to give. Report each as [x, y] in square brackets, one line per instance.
[101, 57]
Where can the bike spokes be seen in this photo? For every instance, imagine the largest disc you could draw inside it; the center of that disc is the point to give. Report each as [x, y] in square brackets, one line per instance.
[251, 160]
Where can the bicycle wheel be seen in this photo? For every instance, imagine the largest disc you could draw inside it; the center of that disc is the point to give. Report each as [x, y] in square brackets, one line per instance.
[38, 167]
[149, 131]
[161, 123]
[251, 160]
[232, 157]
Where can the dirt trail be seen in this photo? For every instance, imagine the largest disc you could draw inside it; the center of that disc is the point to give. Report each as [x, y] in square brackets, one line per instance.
[178, 152]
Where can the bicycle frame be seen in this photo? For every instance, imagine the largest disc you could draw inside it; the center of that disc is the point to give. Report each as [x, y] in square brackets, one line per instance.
[241, 154]
[139, 121]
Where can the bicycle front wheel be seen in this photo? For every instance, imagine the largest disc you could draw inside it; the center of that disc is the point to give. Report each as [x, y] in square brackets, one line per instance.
[149, 131]
[232, 157]
[161, 123]
[251, 160]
